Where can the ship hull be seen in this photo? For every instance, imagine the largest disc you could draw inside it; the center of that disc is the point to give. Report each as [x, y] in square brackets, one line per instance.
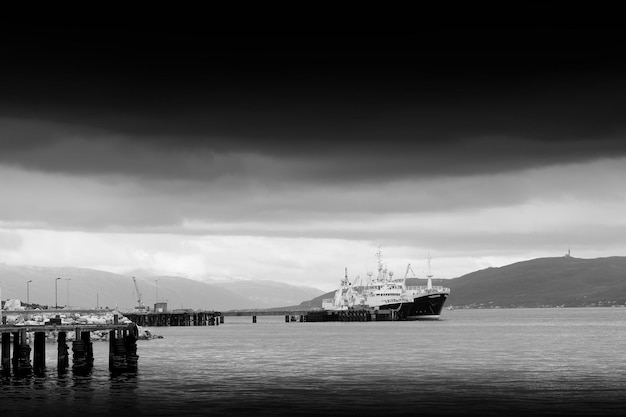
[426, 307]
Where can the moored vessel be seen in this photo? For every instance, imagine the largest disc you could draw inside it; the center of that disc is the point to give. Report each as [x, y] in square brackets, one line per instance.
[383, 292]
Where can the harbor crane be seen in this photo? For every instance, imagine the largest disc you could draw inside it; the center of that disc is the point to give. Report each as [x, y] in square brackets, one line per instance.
[140, 305]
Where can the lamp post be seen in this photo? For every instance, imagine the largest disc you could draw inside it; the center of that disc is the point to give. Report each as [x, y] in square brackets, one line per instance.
[56, 292]
[68, 290]
[157, 290]
[28, 291]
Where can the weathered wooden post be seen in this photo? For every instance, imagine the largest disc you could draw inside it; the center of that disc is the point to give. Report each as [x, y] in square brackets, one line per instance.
[119, 356]
[112, 344]
[86, 338]
[6, 352]
[221, 319]
[16, 350]
[81, 348]
[22, 359]
[63, 360]
[131, 347]
[39, 353]
[253, 319]
[111, 348]
[78, 352]
[287, 318]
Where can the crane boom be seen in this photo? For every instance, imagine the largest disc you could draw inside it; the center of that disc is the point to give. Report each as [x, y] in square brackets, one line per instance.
[140, 305]
[408, 268]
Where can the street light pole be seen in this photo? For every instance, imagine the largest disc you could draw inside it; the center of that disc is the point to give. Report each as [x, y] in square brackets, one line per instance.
[157, 290]
[28, 291]
[56, 292]
[68, 291]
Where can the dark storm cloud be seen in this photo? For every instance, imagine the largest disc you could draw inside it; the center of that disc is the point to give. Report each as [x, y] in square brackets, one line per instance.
[330, 106]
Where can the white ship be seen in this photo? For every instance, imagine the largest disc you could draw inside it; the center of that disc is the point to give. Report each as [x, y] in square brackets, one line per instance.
[386, 292]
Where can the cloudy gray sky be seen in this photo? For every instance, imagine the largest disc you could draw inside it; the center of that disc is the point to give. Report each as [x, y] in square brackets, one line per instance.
[289, 156]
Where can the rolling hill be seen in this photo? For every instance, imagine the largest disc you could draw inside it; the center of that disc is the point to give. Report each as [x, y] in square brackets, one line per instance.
[544, 282]
[560, 281]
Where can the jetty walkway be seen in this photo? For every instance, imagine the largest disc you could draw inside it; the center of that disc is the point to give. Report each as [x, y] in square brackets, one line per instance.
[176, 318]
[320, 315]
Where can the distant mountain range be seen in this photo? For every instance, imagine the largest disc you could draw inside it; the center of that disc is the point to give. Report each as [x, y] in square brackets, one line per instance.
[90, 288]
[545, 282]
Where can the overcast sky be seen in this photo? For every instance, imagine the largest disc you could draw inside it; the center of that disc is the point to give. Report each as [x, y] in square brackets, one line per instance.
[291, 155]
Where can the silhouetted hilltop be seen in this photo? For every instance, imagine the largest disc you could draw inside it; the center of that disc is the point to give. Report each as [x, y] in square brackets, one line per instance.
[561, 281]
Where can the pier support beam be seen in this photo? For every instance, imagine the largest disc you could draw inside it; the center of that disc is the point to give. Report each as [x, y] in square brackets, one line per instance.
[253, 319]
[80, 348]
[21, 354]
[123, 349]
[6, 353]
[39, 353]
[131, 347]
[16, 349]
[86, 338]
[112, 335]
[63, 359]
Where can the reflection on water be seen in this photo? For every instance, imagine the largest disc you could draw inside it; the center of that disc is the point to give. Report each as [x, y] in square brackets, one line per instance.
[479, 362]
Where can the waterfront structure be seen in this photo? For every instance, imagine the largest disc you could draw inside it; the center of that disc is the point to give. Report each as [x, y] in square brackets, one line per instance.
[16, 351]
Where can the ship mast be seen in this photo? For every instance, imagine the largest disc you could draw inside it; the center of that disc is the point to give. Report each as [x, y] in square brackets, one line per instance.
[429, 283]
[379, 260]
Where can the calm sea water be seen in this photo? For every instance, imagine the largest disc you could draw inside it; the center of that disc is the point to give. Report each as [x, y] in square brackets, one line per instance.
[474, 362]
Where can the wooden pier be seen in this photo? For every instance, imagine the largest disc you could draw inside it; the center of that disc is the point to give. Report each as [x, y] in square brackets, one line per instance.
[357, 314]
[122, 346]
[188, 318]
[365, 314]
[265, 313]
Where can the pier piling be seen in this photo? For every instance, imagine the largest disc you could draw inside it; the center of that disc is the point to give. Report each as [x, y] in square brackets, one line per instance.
[21, 354]
[39, 353]
[6, 353]
[80, 362]
[131, 346]
[63, 360]
[16, 349]
[17, 362]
